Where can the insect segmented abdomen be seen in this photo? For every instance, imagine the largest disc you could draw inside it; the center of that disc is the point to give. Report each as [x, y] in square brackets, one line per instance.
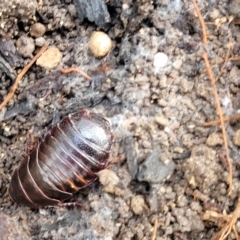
[67, 159]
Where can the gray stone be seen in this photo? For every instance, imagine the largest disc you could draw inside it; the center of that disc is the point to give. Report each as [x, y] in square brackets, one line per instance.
[131, 156]
[95, 11]
[155, 169]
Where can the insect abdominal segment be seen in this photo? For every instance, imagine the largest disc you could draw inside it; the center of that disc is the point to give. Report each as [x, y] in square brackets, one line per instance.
[66, 160]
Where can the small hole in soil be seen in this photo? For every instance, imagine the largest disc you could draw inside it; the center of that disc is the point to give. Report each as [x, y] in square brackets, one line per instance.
[140, 187]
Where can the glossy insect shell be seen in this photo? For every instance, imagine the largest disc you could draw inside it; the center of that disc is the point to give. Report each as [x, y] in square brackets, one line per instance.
[67, 159]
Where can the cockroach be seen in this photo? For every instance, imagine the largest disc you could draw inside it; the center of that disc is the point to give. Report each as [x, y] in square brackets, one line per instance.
[67, 159]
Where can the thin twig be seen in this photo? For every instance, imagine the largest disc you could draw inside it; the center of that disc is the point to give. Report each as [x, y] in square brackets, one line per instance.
[228, 119]
[155, 229]
[75, 69]
[234, 59]
[235, 232]
[20, 75]
[32, 138]
[219, 110]
[200, 18]
[212, 80]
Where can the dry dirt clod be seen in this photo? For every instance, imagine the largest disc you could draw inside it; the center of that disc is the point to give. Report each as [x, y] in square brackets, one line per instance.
[12, 10]
[25, 46]
[214, 139]
[100, 44]
[109, 180]
[214, 14]
[234, 8]
[37, 30]
[201, 170]
[10, 229]
[50, 59]
[138, 204]
[108, 177]
[234, 75]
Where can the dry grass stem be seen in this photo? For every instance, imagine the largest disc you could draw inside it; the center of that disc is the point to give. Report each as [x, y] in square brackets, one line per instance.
[229, 226]
[228, 119]
[155, 229]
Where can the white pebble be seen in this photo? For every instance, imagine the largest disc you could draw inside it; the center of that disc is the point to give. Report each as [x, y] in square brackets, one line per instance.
[160, 60]
[226, 101]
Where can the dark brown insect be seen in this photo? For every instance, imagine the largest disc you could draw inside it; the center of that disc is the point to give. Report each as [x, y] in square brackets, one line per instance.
[67, 159]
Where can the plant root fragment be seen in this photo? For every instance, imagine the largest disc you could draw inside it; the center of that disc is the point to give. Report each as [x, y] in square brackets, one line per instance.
[75, 69]
[226, 221]
[20, 75]
[214, 87]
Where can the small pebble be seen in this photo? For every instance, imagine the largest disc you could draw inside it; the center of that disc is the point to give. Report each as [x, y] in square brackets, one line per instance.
[162, 103]
[178, 150]
[50, 59]
[37, 30]
[177, 64]
[72, 10]
[161, 120]
[25, 46]
[157, 167]
[163, 83]
[40, 41]
[125, 6]
[225, 101]
[100, 44]
[236, 138]
[214, 139]
[160, 60]
[234, 75]
[214, 14]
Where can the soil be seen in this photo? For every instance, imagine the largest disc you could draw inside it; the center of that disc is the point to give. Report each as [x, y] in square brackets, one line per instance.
[154, 88]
